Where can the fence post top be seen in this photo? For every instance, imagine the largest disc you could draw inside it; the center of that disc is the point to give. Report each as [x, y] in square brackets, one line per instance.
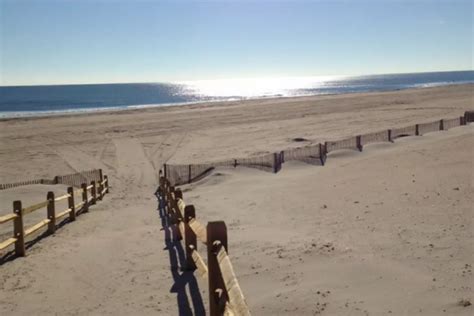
[50, 195]
[216, 223]
[17, 209]
[189, 212]
[189, 208]
[217, 231]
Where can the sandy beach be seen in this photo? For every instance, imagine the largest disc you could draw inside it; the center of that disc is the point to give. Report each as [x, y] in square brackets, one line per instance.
[385, 231]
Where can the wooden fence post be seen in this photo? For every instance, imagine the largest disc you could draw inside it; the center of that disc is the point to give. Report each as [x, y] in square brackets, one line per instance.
[167, 200]
[189, 174]
[169, 204]
[101, 176]
[93, 192]
[165, 171]
[178, 194]
[70, 204]
[417, 130]
[106, 184]
[216, 238]
[468, 117]
[189, 237]
[84, 197]
[389, 132]
[18, 230]
[175, 211]
[159, 190]
[322, 154]
[164, 189]
[462, 121]
[276, 163]
[441, 125]
[101, 188]
[359, 142]
[51, 212]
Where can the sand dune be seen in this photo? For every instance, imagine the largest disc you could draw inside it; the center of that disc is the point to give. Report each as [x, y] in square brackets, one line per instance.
[388, 230]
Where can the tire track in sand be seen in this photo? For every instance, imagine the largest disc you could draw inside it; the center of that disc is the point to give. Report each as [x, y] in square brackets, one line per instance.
[78, 160]
[165, 149]
[135, 171]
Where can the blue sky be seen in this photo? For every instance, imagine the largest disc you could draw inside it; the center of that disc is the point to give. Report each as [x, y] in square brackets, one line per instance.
[59, 42]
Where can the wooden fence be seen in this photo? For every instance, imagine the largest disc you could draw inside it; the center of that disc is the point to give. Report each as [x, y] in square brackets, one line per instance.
[314, 154]
[87, 194]
[73, 179]
[225, 294]
[5, 186]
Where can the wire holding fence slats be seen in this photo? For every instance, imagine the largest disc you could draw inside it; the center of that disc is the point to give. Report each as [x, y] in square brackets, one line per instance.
[451, 123]
[376, 137]
[266, 162]
[314, 154]
[403, 131]
[347, 143]
[425, 128]
[183, 174]
[178, 174]
[22, 183]
[74, 179]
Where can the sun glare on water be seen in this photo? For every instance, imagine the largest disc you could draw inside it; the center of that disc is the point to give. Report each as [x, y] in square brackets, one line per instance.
[255, 87]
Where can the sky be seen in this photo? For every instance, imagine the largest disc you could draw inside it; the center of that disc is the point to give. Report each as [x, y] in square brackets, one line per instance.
[109, 41]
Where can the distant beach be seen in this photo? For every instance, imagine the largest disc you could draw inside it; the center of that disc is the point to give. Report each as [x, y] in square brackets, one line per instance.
[30, 101]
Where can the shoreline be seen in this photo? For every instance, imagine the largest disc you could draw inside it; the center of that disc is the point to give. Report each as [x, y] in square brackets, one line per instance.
[38, 115]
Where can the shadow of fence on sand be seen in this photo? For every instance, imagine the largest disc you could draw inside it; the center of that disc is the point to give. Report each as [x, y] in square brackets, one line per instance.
[181, 277]
[11, 255]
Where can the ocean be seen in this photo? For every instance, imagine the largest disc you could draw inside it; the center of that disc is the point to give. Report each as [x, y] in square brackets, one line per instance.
[23, 101]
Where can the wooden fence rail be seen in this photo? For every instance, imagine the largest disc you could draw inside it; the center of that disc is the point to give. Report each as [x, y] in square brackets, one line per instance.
[225, 294]
[19, 212]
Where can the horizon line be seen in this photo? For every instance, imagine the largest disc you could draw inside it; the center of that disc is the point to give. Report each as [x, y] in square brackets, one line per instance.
[236, 78]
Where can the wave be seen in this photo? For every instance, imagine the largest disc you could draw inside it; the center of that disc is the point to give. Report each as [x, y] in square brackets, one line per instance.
[77, 111]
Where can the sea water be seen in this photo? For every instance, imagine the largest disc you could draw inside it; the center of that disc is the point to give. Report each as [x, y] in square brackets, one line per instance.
[18, 101]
